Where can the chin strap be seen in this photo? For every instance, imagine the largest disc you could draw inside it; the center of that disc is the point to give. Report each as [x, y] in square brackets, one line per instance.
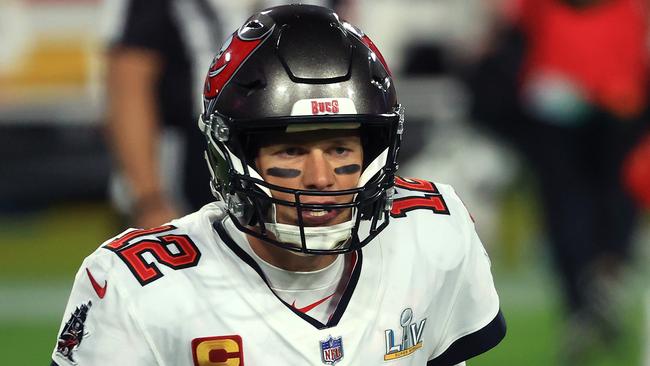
[316, 237]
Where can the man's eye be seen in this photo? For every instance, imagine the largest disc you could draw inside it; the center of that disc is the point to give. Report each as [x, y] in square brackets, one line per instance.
[340, 150]
[291, 151]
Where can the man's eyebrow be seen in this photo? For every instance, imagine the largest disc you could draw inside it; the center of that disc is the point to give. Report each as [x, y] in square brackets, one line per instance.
[342, 140]
[287, 141]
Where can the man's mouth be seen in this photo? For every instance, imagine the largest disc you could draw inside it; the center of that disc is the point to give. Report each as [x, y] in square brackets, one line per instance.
[318, 217]
[317, 213]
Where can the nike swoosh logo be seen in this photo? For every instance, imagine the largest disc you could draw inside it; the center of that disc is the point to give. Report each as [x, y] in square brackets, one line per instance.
[310, 306]
[100, 290]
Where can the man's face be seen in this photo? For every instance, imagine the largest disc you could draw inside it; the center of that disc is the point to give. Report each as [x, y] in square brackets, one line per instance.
[320, 160]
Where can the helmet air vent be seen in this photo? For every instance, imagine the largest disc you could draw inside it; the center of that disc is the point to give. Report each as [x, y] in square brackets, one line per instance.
[315, 57]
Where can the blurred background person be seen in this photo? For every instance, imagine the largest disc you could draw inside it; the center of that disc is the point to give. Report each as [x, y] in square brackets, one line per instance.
[158, 51]
[569, 90]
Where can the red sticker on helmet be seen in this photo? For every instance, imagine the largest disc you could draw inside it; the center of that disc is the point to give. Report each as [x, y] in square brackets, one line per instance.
[368, 42]
[227, 62]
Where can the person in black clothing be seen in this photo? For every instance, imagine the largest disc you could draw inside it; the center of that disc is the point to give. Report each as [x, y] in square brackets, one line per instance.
[157, 57]
[150, 88]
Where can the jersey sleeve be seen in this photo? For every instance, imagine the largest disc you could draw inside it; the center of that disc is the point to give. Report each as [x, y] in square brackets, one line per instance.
[474, 322]
[98, 323]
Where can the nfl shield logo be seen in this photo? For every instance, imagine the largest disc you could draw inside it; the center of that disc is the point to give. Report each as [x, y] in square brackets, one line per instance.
[331, 350]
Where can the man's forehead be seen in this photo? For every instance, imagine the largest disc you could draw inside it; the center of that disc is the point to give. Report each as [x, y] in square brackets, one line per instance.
[310, 136]
[292, 128]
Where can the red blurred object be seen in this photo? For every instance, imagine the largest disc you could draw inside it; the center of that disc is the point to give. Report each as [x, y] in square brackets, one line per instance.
[636, 172]
[602, 48]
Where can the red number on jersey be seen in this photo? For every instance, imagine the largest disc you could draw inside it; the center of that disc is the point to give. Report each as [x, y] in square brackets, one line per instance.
[429, 198]
[174, 251]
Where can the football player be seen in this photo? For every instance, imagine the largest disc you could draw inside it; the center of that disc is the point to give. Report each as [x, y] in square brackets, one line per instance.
[315, 252]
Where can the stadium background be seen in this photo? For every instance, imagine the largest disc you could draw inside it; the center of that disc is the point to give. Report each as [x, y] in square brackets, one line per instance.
[55, 168]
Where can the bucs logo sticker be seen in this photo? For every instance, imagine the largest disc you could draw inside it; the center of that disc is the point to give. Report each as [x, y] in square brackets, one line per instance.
[237, 48]
[73, 332]
[320, 106]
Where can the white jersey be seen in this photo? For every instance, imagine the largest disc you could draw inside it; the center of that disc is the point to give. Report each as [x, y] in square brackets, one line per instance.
[421, 293]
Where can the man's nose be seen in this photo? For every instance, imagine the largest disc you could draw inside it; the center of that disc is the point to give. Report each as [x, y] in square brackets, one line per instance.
[318, 172]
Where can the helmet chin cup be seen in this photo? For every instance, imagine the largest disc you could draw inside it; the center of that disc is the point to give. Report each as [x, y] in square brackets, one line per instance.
[316, 238]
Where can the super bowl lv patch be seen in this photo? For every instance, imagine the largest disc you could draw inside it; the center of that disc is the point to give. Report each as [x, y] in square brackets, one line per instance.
[73, 332]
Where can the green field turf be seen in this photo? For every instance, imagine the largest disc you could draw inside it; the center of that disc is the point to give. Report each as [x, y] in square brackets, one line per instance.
[41, 253]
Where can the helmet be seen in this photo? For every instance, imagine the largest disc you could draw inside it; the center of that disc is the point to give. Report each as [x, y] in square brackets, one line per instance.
[300, 67]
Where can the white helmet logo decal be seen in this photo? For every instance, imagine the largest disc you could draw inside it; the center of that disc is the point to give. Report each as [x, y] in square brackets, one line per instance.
[320, 106]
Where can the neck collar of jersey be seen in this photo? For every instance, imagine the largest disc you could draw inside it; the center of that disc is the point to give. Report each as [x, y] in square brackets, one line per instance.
[353, 268]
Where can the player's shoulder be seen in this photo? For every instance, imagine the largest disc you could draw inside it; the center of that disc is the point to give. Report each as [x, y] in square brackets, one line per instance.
[137, 257]
[429, 220]
[420, 198]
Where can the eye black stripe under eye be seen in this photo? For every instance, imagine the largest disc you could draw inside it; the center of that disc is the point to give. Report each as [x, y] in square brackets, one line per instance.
[283, 172]
[348, 169]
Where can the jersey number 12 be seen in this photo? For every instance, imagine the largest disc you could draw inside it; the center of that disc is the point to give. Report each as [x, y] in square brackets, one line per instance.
[173, 250]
